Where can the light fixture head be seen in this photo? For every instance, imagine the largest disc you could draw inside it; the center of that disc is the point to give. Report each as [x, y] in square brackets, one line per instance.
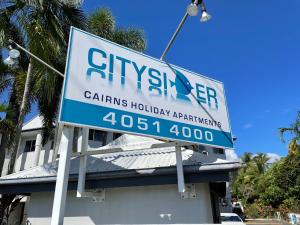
[14, 53]
[192, 9]
[205, 17]
[10, 62]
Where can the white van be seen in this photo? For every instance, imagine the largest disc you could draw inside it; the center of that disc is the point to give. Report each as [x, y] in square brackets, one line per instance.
[231, 218]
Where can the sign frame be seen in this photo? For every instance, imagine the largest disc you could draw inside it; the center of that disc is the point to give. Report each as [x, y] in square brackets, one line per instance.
[63, 99]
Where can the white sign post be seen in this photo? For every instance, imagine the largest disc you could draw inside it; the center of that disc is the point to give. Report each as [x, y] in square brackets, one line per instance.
[62, 178]
[110, 87]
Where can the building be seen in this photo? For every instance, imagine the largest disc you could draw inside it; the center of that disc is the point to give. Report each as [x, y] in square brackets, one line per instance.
[136, 183]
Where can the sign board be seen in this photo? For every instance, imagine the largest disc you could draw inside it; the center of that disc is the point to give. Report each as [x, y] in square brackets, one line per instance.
[111, 87]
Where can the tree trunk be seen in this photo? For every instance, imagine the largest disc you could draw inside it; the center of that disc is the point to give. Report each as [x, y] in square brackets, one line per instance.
[8, 135]
[3, 147]
[23, 107]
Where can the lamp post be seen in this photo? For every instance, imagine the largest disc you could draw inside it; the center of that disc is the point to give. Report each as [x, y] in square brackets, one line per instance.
[192, 10]
[14, 55]
[12, 61]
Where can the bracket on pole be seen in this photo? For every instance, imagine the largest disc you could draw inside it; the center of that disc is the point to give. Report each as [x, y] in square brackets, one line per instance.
[190, 191]
[97, 195]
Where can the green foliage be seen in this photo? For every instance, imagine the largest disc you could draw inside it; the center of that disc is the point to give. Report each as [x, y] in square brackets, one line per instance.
[102, 23]
[261, 160]
[288, 205]
[252, 211]
[276, 188]
[42, 26]
[247, 157]
[131, 38]
[246, 183]
[259, 210]
[294, 131]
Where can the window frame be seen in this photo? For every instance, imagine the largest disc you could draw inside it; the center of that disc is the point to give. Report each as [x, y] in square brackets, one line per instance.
[93, 134]
[32, 146]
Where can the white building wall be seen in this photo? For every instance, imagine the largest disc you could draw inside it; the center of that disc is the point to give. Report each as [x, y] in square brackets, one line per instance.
[135, 205]
[25, 160]
[5, 165]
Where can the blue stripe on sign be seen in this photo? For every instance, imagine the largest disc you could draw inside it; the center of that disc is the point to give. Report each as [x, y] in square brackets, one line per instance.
[92, 115]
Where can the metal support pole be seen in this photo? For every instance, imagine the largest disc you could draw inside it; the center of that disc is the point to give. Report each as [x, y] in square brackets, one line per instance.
[82, 163]
[36, 58]
[62, 178]
[174, 36]
[180, 173]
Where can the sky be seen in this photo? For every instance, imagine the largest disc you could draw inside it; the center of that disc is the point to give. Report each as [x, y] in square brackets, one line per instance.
[253, 47]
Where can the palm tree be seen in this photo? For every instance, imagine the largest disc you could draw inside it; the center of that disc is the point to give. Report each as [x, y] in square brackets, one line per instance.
[43, 26]
[293, 130]
[247, 157]
[6, 126]
[10, 111]
[103, 24]
[261, 160]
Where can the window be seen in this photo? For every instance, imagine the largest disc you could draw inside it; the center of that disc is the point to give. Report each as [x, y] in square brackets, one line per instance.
[29, 146]
[97, 135]
[116, 135]
[231, 219]
[218, 151]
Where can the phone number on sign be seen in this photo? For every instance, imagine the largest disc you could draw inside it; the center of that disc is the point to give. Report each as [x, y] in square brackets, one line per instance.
[143, 125]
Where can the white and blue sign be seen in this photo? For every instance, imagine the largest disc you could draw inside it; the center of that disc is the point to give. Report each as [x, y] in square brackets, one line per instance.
[110, 87]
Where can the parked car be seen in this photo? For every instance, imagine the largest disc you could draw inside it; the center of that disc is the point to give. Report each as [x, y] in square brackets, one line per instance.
[231, 218]
[294, 218]
[238, 208]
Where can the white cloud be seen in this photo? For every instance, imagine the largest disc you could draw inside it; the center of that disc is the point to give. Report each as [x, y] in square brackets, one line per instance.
[232, 156]
[273, 157]
[248, 126]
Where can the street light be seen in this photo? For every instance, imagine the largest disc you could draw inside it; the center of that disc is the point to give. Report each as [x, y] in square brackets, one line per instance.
[204, 16]
[12, 59]
[14, 54]
[192, 10]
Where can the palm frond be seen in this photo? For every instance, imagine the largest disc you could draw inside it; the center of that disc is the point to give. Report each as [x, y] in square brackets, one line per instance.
[102, 23]
[3, 108]
[131, 38]
[293, 130]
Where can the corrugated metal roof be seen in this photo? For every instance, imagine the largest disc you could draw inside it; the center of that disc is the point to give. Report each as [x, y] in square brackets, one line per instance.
[128, 160]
